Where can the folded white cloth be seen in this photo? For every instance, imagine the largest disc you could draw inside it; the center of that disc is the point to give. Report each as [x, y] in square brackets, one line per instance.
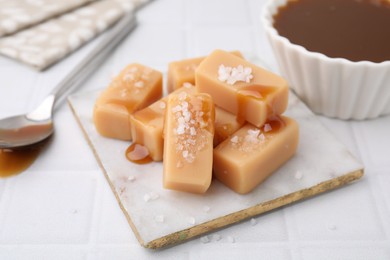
[46, 43]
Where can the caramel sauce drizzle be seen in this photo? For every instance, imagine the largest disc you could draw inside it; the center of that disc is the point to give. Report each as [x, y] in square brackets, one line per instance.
[138, 154]
[15, 161]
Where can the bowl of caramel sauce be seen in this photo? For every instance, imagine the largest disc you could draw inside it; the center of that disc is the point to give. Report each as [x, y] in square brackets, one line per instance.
[334, 53]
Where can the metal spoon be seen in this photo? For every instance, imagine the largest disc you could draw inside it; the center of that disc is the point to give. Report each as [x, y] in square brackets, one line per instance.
[31, 128]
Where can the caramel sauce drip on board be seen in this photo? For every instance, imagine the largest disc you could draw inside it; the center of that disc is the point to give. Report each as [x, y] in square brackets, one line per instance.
[138, 154]
[356, 30]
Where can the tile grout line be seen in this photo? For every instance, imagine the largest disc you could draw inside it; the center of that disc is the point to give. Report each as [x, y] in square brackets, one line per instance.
[94, 226]
[374, 192]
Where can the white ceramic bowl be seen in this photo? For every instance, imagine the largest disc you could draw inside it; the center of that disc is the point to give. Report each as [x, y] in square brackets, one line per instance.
[334, 87]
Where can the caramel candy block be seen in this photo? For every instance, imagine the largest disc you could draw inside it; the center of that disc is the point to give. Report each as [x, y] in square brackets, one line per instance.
[241, 88]
[147, 124]
[188, 142]
[251, 154]
[225, 125]
[134, 88]
[183, 71]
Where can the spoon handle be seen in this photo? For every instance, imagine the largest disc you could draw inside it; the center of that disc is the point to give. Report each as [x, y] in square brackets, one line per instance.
[96, 56]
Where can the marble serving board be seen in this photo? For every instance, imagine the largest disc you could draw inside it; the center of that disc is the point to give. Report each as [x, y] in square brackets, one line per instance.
[161, 217]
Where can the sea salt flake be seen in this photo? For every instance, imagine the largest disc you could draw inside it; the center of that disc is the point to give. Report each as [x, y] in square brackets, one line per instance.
[128, 77]
[192, 131]
[176, 109]
[267, 128]
[151, 196]
[298, 175]
[147, 197]
[261, 137]
[131, 178]
[139, 84]
[159, 218]
[231, 75]
[234, 139]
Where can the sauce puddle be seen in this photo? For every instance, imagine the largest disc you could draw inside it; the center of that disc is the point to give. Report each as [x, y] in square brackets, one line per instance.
[138, 154]
[15, 161]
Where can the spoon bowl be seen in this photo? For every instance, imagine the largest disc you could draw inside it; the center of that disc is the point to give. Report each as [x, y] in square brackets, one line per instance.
[36, 126]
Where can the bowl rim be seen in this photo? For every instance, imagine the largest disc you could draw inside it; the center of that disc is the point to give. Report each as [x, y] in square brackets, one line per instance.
[267, 19]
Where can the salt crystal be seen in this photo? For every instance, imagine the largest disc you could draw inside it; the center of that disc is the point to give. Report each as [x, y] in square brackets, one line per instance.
[146, 197]
[231, 75]
[176, 109]
[180, 129]
[253, 222]
[267, 128]
[261, 137]
[131, 178]
[234, 139]
[206, 209]
[128, 77]
[205, 239]
[298, 175]
[151, 196]
[182, 95]
[159, 218]
[192, 131]
[185, 154]
[139, 84]
[231, 239]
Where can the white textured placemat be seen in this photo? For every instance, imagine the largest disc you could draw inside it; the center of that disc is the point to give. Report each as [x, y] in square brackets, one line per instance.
[44, 44]
[161, 217]
[18, 14]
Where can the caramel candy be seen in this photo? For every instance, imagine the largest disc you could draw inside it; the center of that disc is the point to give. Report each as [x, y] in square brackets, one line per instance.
[188, 142]
[251, 154]
[225, 125]
[147, 124]
[134, 88]
[250, 92]
[183, 71]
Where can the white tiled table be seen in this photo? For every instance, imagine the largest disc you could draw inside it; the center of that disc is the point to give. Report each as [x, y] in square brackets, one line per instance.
[63, 208]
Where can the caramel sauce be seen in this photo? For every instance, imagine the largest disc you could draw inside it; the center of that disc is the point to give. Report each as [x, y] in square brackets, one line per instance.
[15, 161]
[138, 154]
[244, 94]
[276, 123]
[356, 30]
